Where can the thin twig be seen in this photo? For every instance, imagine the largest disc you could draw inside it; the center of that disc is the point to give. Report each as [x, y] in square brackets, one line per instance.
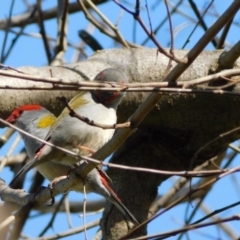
[137, 17]
[61, 44]
[224, 34]
[228, 59]
[43, 32]
[125, 167]
[192, 191]
[185, 229]
[56, 210]
[91, 122]
[129, 87]
[205, 11]
[100, 26]
[108, 22]
[3, 56]
[162, 23]
[200, 18]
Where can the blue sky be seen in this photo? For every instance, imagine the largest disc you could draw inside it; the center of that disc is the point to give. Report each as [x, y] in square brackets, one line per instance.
[29, 52]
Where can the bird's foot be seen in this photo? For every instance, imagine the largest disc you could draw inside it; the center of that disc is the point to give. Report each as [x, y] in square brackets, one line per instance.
[54, 181]
[52, 197]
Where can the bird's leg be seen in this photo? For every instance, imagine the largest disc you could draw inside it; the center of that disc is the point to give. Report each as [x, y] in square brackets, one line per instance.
[84, 148]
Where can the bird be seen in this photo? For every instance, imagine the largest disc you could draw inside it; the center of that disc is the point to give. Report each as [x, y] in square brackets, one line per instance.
[70, 133]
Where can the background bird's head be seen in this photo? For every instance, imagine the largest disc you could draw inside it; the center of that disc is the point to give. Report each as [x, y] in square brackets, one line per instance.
[110, 99]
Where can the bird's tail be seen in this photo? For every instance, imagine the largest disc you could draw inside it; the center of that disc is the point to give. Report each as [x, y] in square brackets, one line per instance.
[38, 159]
[118, 203]
[29, 165]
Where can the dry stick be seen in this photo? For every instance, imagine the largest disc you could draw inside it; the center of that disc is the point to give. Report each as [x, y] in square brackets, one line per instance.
[224, 34]
[20, 223]
[22, 198]
[108, 22]
[180, 183]
[130, 87]
[225, 85]
[71, 231]
[100, 26]
[205, 11]
[202, 195]
[209, 143]
[18, 35]
[74, 207]
[14, 231]
[192, 191]
[3, 56]
[90, 122]
[56, 210]
[43, 32]
[164, 91]
[173, 191]
[23, 19]
[16, 159]
[125, 167]
[171, 28]
[25, 209]
[227, 59]
[185, 229]
[235, 148]
[206, 173]
[6, 136]
[184, 13]
[10, 151]
[210, 33]
[200, 18]
[63, 20]
[10, 68]
[205, 194]
[61, 43]
[225, 227]
[67, 211]
[137, 17]
[201, 174]
[149, 18]
[50, 39]
[84, 211]
[216, 212]
[161, 24]
[212, 141]
[172, 39]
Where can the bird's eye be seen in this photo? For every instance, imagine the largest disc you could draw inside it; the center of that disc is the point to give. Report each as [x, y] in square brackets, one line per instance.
[20, 112]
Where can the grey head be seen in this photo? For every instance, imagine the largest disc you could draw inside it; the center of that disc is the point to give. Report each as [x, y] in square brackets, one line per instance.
[110, 99]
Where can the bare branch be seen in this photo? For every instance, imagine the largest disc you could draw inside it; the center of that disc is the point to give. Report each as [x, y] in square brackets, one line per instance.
[18, 21]
[227, 59]
[61, 45]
